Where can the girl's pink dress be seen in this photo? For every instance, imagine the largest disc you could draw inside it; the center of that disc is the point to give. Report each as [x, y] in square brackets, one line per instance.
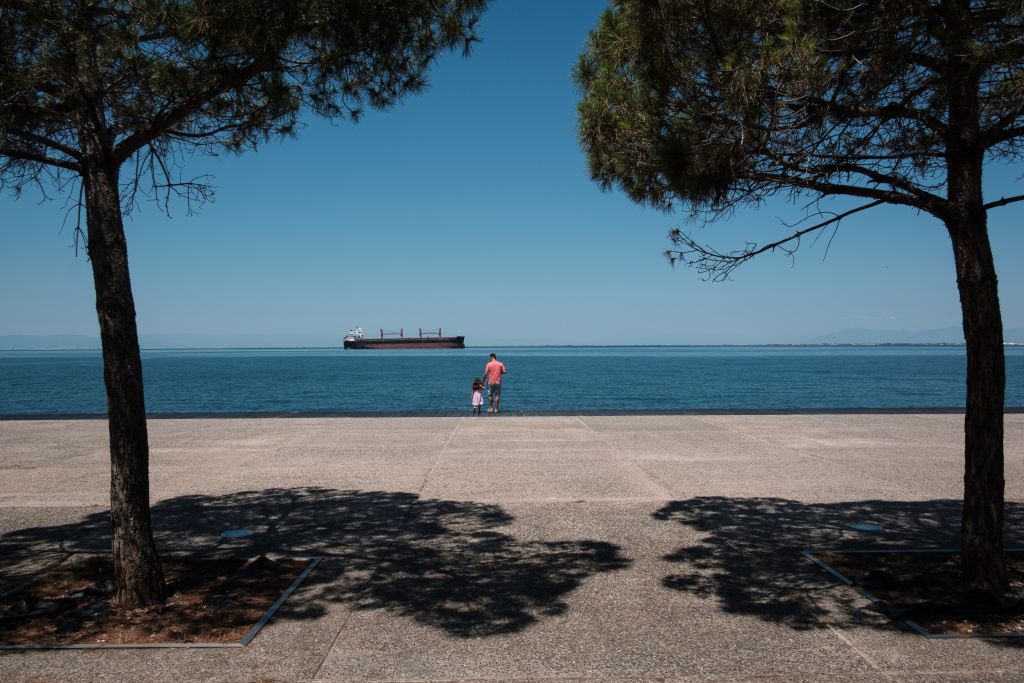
[478, 398]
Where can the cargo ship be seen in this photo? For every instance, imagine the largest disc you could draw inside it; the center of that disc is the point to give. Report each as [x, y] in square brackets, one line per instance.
[427, 339]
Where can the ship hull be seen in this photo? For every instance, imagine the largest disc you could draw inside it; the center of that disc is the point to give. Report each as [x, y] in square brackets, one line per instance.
[407, 343]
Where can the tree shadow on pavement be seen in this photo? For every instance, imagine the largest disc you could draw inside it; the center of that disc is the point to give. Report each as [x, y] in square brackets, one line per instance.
[446, 564]
[748, 557]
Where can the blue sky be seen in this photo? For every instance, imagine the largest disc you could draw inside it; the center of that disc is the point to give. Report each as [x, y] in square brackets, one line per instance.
[469, 207]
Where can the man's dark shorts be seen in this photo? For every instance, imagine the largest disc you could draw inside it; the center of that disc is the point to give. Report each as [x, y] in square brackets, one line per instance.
[495, 389]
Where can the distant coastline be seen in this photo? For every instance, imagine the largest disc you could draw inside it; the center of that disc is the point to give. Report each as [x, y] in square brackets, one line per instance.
[949, 336]
[482, 347]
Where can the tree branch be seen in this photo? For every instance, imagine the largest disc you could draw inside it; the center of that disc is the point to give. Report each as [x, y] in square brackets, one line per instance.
[204, 133]
[1004, 201]
[995, 137]
[161, 124]
[38, 159]
[47, 142]
[892, 181]
[997, 129]
[717, 266]
[936, 207]
[886, 112]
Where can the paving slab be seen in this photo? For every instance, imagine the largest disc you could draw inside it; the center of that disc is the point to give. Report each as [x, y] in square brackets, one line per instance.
[556, 478]
[784, 475]
[913, 475]
[59, 485]
[866, 431]
[610, 547]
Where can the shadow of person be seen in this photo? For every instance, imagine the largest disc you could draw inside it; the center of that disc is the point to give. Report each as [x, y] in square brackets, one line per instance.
[447, 564]
[748, 554]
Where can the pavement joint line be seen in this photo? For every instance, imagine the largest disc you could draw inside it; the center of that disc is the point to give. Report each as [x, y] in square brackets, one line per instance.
[812, 555]
[652, 486]
[440, 455]
[843, 638]
[796, 451]
[860, 653]
[380, 559]
[268, 614]
[352, 608]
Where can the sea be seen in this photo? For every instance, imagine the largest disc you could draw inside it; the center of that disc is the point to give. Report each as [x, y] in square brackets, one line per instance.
[539, 379]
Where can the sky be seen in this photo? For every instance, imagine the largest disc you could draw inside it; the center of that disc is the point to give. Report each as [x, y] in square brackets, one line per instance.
[469, 207]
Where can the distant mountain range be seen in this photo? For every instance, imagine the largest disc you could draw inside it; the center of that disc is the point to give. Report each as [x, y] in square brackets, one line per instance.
[944, 335]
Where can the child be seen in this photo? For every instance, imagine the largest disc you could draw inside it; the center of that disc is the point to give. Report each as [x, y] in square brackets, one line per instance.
[478, 396]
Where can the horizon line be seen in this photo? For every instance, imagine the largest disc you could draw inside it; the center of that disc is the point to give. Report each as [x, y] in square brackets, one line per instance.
[530, 346]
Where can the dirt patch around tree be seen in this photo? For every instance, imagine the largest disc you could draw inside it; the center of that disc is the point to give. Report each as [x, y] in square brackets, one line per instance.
[212, 600]
[924, 590]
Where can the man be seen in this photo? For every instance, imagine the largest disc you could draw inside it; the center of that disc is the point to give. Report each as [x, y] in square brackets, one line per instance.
[492, 375]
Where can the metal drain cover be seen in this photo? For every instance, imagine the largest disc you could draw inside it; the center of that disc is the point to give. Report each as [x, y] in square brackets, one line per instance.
[237, 533]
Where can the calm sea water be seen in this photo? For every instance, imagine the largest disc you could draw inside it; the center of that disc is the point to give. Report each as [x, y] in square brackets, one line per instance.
[540, 378]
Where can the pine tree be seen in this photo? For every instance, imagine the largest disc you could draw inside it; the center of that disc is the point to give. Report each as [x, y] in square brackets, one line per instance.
[106, 98]
[712, 105]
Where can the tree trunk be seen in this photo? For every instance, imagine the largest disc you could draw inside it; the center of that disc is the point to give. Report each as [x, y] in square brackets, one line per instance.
[138, 577]
[981, 534]
[982, 531]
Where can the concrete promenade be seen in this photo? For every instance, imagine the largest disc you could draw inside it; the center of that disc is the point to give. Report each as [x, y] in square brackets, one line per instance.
[657, 547]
